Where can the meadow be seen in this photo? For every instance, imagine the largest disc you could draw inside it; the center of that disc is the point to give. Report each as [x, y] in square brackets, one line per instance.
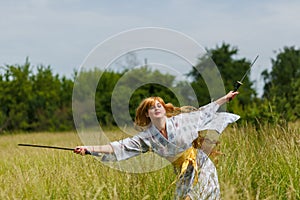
[257, 163]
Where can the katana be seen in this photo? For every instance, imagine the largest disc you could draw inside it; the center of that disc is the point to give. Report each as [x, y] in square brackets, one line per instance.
[239, 83]
[51, 147]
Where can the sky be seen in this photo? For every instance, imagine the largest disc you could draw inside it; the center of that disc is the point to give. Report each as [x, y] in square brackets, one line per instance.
[61, 33]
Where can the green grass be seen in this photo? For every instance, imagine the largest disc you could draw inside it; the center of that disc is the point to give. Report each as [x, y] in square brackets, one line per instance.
[257, 164]
[260, 164]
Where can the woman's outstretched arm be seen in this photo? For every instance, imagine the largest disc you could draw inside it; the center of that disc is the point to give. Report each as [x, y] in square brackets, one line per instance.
[230, 95]
[82, 150]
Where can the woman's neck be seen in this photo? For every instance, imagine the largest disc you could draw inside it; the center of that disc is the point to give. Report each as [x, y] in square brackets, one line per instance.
[160, 123]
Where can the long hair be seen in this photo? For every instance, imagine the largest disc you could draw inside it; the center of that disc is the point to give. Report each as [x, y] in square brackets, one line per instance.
[141, 118]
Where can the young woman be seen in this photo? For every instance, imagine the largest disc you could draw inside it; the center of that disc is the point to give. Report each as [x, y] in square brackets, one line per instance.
[171, 133]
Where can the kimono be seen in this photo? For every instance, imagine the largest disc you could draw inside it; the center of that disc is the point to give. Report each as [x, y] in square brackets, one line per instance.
[182, 130]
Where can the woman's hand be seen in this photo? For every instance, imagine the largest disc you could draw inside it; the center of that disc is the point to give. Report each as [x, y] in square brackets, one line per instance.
[82, 150]
[228, 97]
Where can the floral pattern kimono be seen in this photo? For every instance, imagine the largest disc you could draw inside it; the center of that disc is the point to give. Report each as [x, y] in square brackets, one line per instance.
[182, 130]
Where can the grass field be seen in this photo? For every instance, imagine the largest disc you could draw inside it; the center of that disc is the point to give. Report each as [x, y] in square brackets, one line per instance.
[257, 164]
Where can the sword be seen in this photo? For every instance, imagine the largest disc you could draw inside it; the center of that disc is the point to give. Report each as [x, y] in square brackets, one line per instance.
[239, 83]
[51, 147]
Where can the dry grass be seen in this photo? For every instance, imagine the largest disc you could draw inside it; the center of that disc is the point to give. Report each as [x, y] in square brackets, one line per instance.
[257, 164]
[261, 164]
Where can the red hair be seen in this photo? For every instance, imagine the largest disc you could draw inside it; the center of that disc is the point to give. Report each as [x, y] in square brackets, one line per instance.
[140, 116]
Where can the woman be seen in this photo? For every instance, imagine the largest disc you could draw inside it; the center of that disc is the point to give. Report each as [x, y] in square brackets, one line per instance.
[171, 133]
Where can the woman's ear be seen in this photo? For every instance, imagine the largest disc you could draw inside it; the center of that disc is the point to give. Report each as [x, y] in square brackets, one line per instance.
[146, 114]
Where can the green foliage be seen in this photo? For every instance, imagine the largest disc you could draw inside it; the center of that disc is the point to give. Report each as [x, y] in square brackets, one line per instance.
[258, 112]
[150, 83]
[42, 101]
[295, 86]
[15, 95]
[129, 86]
[122, 91]
[33, 102]
[104, 91]
[282, 83]
[281, 97]
[231, 70]
[46, 100]
[38, 100]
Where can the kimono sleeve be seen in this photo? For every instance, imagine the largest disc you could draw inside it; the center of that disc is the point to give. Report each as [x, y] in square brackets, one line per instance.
[209, 119]
[129, 147]
[204, 114]
[220, 121]
[208, 110]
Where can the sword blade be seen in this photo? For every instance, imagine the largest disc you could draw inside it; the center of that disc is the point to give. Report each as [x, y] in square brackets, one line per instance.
[249, 69]
[48, 147]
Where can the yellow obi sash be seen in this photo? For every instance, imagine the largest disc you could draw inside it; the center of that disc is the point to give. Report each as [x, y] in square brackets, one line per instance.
[207, 141]
[187, 157]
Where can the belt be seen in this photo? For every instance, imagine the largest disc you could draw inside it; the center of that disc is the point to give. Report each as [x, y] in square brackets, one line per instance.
[187, 157]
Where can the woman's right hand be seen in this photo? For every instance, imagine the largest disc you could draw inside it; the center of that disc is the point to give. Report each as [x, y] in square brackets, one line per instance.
[82, 150]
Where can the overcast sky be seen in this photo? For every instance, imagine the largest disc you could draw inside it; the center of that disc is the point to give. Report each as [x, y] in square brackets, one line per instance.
[61, 33]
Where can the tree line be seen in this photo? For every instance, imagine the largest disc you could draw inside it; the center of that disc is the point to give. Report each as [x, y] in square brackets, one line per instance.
[36, 99]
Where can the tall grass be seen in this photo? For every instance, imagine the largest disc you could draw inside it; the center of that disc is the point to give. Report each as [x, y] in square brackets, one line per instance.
[260, 163]
[257, 164]
[34, 173]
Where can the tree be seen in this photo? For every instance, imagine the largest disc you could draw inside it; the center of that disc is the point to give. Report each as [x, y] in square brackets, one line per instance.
[34, 102]
[296, 94]
[15, 97]
[231, 70]
[282, 82]
[46, 92]
[137, 84]
[104, 91]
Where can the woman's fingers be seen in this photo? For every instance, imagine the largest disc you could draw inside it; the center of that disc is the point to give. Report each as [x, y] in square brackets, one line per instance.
[80, 150]
[231, 95]
[234, 94]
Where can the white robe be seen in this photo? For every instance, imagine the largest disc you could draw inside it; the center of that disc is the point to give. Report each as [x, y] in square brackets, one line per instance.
[182, 130]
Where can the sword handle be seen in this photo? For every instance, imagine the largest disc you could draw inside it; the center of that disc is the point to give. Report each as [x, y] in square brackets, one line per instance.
[88, 152]
[237, 84]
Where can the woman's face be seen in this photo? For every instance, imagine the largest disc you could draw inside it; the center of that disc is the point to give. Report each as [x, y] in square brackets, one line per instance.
[156, 111]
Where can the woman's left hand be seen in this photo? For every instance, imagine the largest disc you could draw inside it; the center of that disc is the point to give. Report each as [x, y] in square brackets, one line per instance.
[230, 95]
